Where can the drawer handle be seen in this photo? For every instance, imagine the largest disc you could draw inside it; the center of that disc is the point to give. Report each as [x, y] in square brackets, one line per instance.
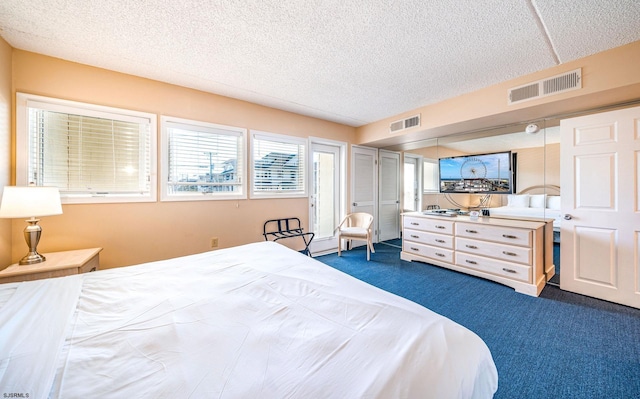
[509, 236]
[414, 236]
[440, 241]
[509, 253]
[509, 270]
[415, 249]
[440, 227]
[415, 224]
[440, 255]
[473, 262]
[471, 231]
[471, 246]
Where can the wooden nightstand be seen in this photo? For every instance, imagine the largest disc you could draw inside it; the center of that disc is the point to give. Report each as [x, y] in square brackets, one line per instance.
[58, 264]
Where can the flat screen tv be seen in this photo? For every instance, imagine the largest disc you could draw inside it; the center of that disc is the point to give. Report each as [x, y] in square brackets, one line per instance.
[479, 174]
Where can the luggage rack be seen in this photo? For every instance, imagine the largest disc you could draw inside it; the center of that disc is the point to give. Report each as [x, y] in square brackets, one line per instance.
[277, 229]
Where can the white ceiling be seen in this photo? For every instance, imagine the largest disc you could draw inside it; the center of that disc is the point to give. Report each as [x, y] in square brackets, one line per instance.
[352, 62]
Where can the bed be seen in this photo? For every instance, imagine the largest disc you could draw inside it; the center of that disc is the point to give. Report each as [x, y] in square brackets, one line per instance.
[538, 202]
[258, 320]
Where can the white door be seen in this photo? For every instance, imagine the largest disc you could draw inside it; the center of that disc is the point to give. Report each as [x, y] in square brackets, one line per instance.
[600, 179]
[364, 183]
[412, 183]
[389, 195]
[326, 199]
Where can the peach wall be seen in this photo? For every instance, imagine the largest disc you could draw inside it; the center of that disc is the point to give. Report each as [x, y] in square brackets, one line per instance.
[5, 145]
[608, 77]
[135, 233]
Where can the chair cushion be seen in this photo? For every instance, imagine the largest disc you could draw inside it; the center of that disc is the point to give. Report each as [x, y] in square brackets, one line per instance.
[354, 231]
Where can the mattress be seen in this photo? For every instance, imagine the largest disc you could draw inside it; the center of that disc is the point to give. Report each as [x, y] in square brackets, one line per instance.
[254, 321]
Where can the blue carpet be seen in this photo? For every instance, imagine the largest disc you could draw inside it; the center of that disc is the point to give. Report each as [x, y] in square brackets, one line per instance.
[559, 345]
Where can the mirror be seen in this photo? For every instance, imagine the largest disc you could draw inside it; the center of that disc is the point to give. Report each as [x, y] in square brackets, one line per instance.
[535, 161]
[535, 154]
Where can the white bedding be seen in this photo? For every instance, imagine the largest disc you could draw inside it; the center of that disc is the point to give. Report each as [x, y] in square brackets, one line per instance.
[540, 206]
[255, 321]
[526, 212]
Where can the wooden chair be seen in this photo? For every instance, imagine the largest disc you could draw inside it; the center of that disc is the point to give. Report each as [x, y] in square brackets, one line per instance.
[356, 226]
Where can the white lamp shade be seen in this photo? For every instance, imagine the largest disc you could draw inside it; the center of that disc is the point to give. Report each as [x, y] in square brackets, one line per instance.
[31, 201]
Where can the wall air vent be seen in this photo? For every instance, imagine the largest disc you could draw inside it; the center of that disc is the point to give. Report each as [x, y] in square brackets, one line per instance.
[556, 84]
[404, 124]
[524, 93]
[561, 83]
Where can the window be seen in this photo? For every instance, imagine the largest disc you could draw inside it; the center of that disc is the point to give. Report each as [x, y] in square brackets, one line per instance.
[202, 161]
[91, 153]
[412, 182]
[430, 176]
[278, 166]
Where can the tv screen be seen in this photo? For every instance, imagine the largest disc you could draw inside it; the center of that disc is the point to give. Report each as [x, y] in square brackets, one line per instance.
[480, 173]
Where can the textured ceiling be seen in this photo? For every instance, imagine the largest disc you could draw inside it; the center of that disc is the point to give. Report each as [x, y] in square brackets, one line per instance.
[352, 62]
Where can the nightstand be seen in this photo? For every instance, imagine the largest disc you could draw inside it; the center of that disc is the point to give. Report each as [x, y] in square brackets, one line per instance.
[57, 264]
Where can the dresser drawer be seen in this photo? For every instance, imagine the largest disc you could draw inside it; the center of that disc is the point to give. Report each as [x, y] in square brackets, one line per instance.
[508, 253]
[506, 235]
[441, 254]
[424, 224]
[423, 237]
[513, 271]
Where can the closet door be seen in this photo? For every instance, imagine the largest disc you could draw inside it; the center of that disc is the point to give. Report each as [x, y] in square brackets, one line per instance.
[600, 233]
[364, 183]
[389, 195]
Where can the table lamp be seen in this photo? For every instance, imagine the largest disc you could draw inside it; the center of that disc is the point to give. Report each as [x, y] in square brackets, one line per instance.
[30, 202]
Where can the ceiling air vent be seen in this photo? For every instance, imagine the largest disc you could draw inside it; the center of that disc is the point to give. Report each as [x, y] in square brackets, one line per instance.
[405, 124]
[556, 84]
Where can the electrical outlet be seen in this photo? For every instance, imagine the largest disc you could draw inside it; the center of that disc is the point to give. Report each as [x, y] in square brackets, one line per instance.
[214, 242]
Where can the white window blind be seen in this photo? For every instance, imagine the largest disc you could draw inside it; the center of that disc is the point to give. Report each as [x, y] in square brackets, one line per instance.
[430, 176]
[278, 166]
[91, 153]
[202, 160]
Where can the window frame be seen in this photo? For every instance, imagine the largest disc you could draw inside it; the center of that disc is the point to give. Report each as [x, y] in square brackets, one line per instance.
[286, 139]
[418, 179]
[23, 101]
[165, 122]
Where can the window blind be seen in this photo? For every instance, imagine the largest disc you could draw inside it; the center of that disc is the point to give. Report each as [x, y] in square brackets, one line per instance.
[85, 154]
[279, 165]
[430, 176]
[204, 159]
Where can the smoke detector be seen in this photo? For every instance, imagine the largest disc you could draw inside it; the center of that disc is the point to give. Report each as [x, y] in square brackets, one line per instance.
[532, 128]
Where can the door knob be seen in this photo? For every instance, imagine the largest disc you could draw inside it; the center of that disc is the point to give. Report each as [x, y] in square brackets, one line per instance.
[568, 217]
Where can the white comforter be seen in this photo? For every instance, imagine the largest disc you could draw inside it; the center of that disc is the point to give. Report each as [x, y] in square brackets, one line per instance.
[255, 321]
[524, 212]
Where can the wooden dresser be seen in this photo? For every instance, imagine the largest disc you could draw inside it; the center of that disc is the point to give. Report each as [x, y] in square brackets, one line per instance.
[516, 253]
[57, 264]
